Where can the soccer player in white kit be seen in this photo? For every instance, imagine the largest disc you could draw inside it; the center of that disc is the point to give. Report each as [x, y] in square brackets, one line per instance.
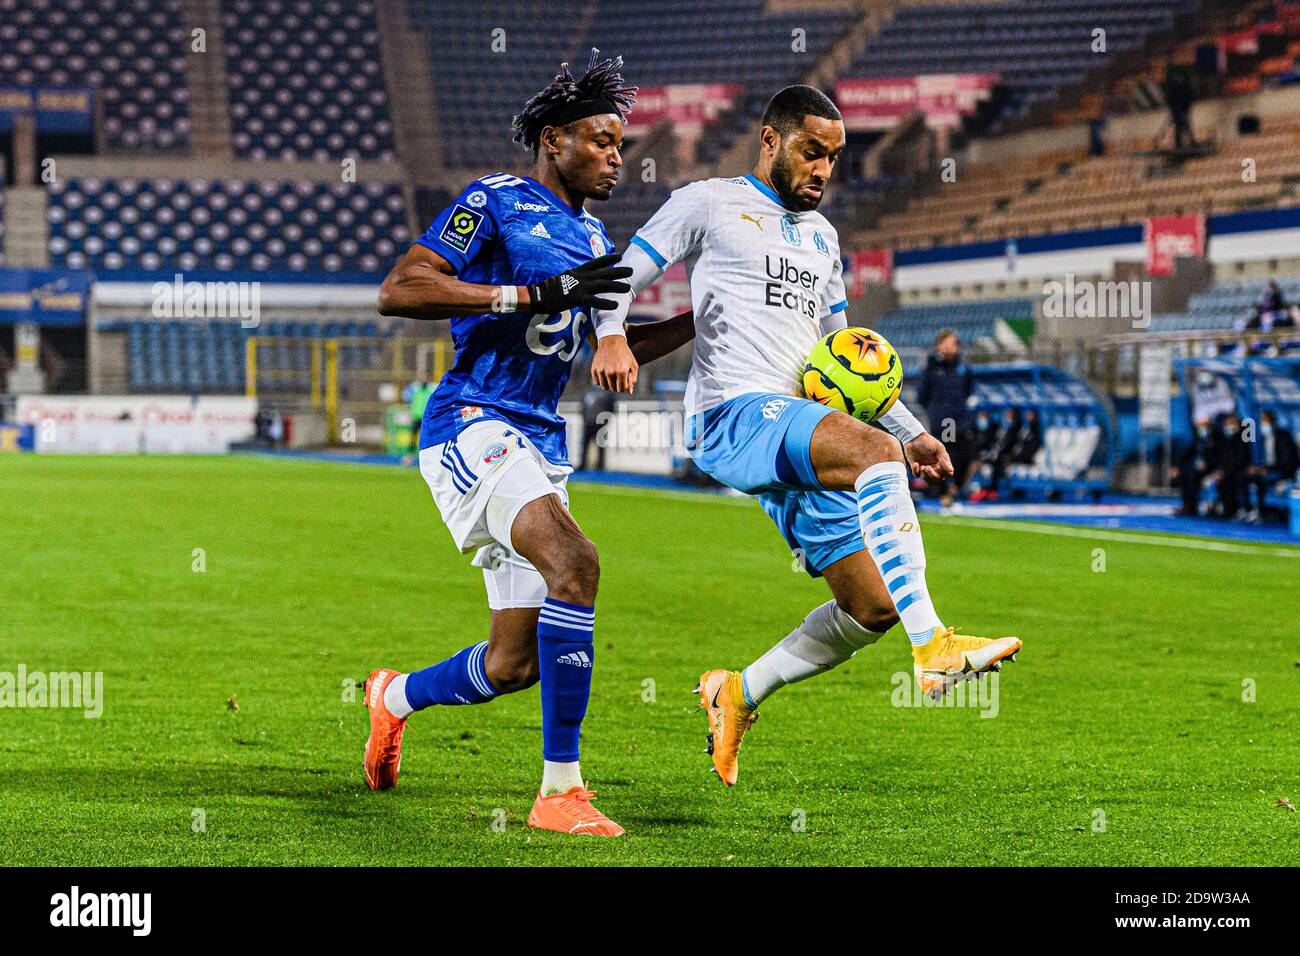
[766, 283]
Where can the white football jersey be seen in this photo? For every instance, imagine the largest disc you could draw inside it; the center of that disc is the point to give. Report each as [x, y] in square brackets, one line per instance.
[766, 283]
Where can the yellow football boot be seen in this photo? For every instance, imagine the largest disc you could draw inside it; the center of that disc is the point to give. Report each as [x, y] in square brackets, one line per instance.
[722, 696]
[950, 658]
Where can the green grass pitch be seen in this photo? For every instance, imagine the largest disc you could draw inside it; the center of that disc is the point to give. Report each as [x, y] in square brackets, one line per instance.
[1122, 736]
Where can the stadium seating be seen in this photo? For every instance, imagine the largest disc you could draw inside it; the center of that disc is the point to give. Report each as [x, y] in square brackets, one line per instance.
[1035, 48]
[209, 356]
[1059, 192]
[479, 90]
[1076, 454]
[914, 327]
[757, 53]
[2, 220]
[955, 211]
[305, 80]
[130, 52]
[1223, 306]
[632, 204]
[160, 225]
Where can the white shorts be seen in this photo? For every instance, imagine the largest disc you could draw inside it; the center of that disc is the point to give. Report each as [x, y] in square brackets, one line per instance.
[480, 481]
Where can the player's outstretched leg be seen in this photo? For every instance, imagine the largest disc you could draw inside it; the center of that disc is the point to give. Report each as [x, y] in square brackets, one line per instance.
[504, 663]
[860, 615]
[850, 455]
[545, 533]
[382, 757]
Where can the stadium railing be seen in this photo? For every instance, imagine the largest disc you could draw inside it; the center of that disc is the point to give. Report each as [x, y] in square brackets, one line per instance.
[347, 380]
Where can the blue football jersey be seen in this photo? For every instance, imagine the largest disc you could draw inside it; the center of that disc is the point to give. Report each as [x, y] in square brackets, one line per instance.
[507, 230]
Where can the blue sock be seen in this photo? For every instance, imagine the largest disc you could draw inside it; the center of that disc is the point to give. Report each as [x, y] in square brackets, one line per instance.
[744, 686]
[460, 679]
[564, 652]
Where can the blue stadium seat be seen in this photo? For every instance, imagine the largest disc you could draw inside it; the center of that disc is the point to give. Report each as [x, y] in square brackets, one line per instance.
[479, 90]
[165, 225]
[1034, 48]
[306, 80]
[130, 52]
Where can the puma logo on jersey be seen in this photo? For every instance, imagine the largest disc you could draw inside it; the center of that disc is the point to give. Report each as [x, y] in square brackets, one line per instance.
[758, 222]
[539, 230]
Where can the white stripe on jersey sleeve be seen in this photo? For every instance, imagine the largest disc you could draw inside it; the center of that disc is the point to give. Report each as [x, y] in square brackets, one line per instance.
[672, 232]
[901, 423]
[834, 299]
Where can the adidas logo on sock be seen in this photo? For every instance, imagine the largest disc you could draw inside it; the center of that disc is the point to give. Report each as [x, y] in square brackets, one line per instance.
[576, 658]
[540, 230]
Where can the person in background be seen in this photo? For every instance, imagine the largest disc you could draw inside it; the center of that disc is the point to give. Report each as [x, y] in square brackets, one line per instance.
[1271, 311]
[1279, 460]
[1233, 466]
[1179, 96]
[1194, 465]
[597, 408]
[1028, 439]
[945, 389]
[417, 396]
[1002, 448]
[984, 446]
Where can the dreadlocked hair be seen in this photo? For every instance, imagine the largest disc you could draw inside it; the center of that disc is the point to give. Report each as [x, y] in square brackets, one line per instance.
[602, 81]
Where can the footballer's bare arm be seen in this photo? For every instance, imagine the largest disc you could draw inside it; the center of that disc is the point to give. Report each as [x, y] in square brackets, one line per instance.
[618, 357]
[653, 340]
[423, 285]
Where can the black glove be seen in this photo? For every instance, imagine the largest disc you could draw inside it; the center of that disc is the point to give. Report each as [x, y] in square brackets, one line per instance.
[580, 286]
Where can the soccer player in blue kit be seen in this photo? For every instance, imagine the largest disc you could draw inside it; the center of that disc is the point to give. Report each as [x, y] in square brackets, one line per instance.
[517, 264]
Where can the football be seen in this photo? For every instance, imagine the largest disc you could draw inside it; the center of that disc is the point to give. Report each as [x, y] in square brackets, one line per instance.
[854, 370]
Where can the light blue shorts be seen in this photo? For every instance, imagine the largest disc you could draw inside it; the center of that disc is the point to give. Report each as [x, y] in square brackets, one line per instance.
[760, 444]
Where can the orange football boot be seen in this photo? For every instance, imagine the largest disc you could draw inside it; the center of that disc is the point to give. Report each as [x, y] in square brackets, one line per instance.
[722, 695]
[571, 812]
[383, 754]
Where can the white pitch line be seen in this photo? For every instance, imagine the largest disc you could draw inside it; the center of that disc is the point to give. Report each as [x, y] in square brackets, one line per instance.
[1063, 531]
[1196, 544]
